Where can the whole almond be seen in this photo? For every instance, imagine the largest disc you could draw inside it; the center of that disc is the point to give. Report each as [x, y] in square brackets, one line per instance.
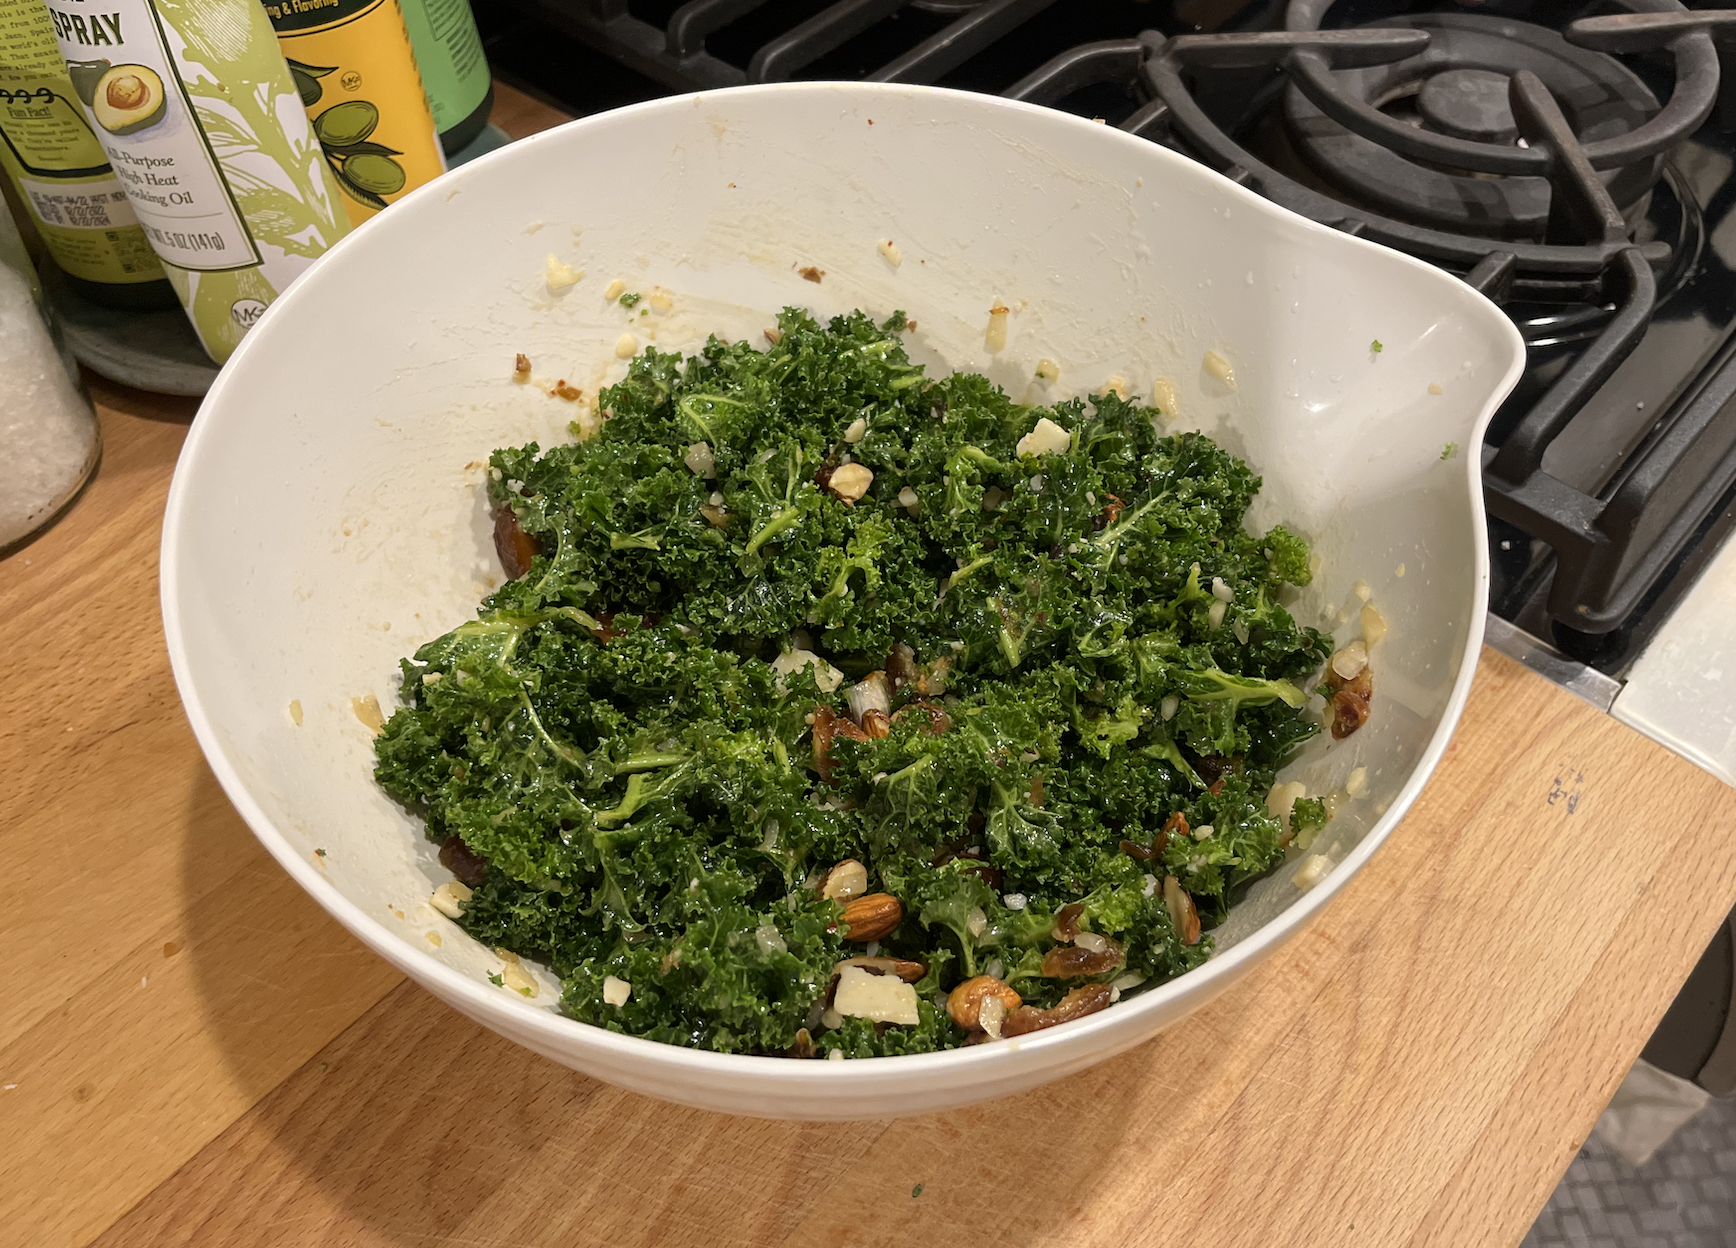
[965, 1003]
[871, 917]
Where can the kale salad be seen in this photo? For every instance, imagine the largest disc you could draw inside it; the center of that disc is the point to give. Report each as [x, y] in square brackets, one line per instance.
[836, 710]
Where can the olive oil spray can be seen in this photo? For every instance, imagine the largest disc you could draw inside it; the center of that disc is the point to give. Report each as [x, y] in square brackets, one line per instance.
[353, 64]
[201, 120]
[60, 173]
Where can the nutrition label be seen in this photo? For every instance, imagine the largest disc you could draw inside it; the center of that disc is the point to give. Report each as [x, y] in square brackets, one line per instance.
[131, 89]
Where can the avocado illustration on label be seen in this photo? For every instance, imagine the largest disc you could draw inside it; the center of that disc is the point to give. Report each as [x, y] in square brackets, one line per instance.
[85, 75]
[364, 170]
[128, 98]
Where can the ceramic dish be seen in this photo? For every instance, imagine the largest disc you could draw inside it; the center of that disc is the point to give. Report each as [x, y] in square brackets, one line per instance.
[327, 514]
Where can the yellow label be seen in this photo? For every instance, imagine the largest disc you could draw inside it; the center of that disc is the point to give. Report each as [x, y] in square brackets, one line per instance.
[352, 63]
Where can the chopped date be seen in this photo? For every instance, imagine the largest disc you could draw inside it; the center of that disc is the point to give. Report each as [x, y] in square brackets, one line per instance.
[514, 546]
[1076, 1004]
[465, 863]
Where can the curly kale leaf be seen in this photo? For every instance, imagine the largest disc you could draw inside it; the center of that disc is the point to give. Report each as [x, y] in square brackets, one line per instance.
[1085, 645]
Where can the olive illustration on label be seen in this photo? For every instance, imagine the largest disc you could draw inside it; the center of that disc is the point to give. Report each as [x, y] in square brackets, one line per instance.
[345, 124]
[365, 170]
[129, 98]
[375, 173]
[307, 80]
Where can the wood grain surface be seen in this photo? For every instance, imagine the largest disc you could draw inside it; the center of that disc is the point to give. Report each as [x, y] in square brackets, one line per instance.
[191, 1053]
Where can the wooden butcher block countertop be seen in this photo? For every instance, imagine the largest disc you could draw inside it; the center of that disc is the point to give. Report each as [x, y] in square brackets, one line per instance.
[192, 1053]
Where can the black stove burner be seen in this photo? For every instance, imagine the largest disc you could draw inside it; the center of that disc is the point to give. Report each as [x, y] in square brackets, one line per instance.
[1458, 87]
[1553, 153]
[1466, 103]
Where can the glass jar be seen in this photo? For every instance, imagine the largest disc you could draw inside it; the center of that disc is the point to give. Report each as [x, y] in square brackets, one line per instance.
[49, 438]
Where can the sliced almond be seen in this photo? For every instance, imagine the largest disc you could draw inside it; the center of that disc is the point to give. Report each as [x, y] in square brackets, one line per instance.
[991, 1017]
[1182, 912]
[965, 1002]
[847, 880]
[899, 968]
[872, 692]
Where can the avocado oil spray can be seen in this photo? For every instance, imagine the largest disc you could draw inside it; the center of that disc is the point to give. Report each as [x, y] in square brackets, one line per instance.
[353, 64]
[202, 122]
[62, 178]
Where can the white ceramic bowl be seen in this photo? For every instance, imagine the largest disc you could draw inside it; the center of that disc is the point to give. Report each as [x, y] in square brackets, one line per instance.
[327, 515]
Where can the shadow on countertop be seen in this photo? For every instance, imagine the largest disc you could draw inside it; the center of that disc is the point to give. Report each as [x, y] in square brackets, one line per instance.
[416, 1126]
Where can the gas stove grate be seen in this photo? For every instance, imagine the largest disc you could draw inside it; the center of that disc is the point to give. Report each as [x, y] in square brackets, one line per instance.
[1610, 544]
[1579, 259]
[675, 53]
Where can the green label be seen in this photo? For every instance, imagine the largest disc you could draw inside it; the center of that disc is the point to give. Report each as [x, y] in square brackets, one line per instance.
[449, 54]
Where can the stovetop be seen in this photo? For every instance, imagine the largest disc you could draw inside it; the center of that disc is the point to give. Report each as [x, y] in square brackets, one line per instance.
[1573, 161]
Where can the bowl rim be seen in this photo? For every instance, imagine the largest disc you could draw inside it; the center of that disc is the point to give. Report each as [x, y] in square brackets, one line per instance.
[553, 1031]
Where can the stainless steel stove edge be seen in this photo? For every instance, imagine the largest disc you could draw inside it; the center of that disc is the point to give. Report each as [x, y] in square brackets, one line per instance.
[1678, 691]
[1544, 659]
